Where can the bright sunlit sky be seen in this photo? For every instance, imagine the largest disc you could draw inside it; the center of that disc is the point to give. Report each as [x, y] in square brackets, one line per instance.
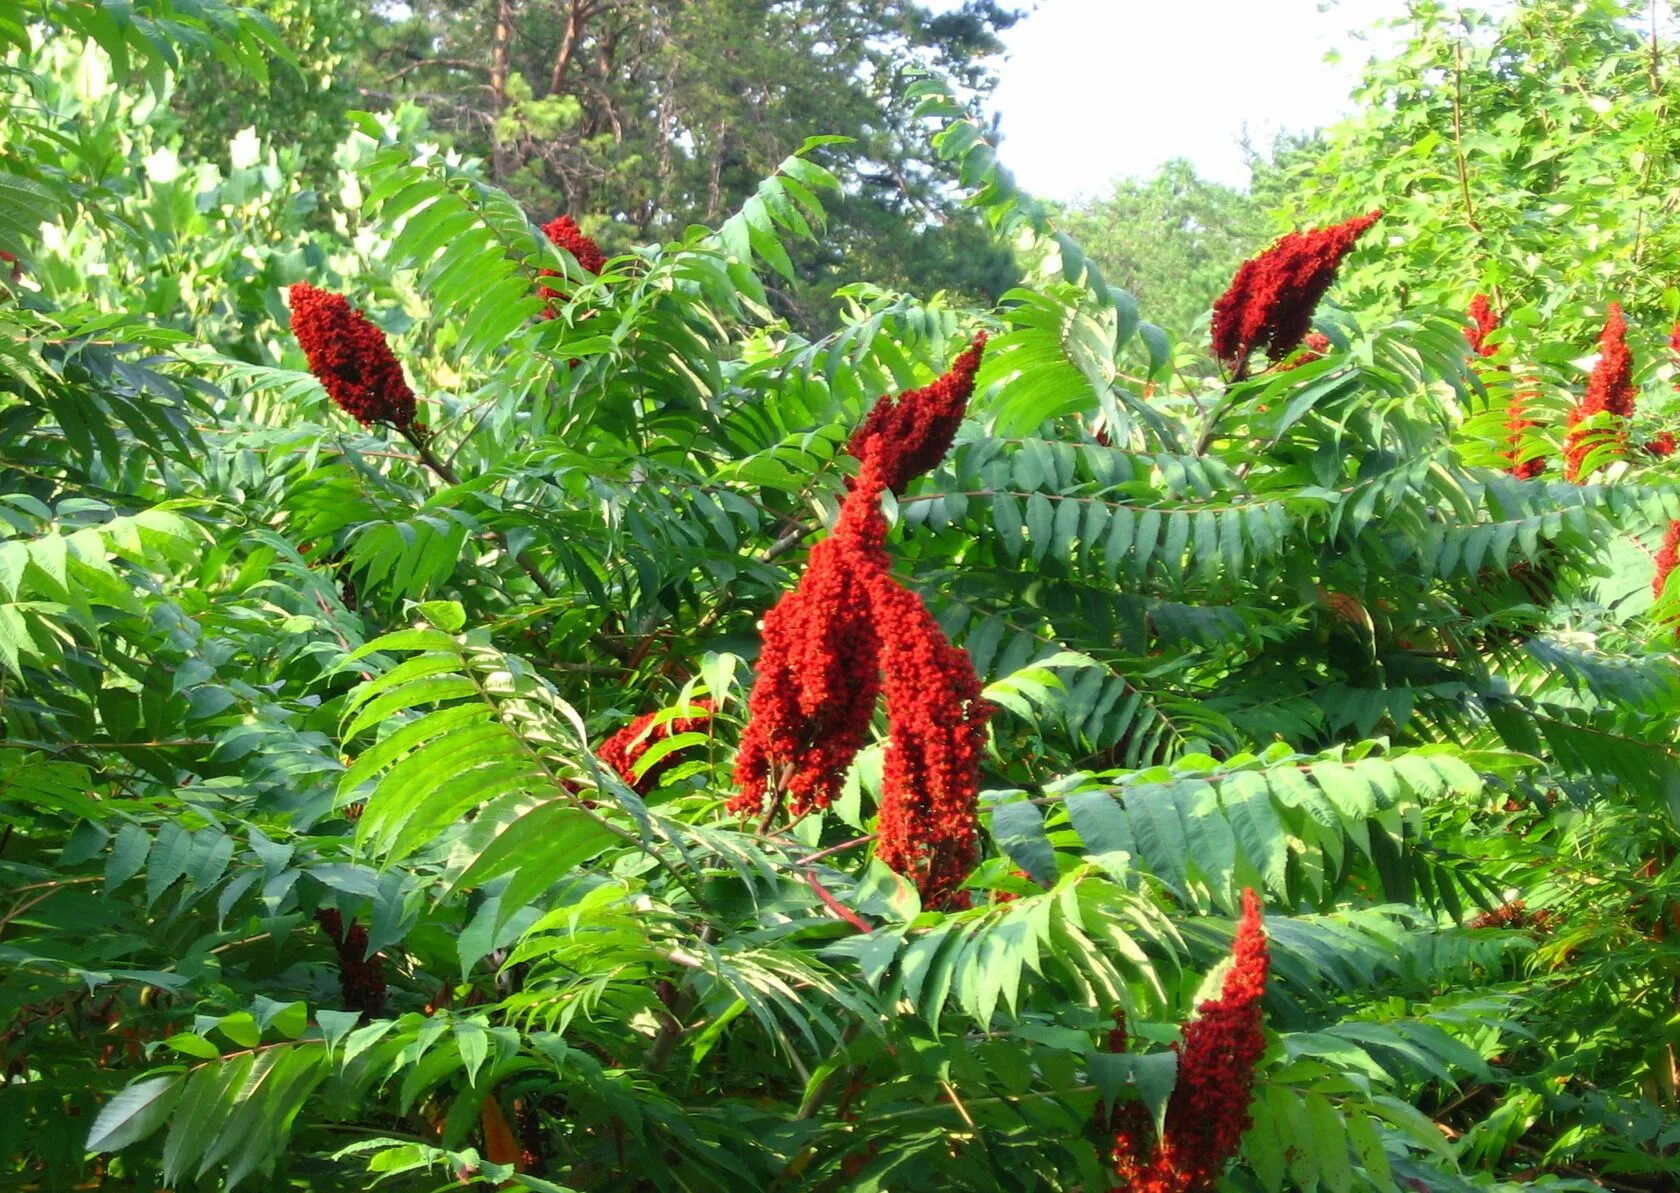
[1093, 89]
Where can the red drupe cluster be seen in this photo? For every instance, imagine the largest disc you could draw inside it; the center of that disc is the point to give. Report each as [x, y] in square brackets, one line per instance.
[1482, 320]
[1312, 348]
[908, 435]
[624, 749]
[1666, 558]
[1611, 385]
[847, 632]
[1662, 445]
[361, 978]
[563, 232]
[351, 358]
[931, 774]
[818, 670]
[1271, 300]
[1609, 391]
[1514, 916]
[1517, 423]
[1208, 1110]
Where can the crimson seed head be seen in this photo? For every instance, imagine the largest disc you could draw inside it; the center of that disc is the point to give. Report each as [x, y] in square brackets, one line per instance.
[930, 781]
[361, 978]
[1208, 1110]
[1271, 300]
[563, 232]
[1609, 390]
[1611, 383]
[624, 749]
[847, 632]
[908, 435]
[1482, 321]
[1666, 557]
[818, 669]
[351, 358]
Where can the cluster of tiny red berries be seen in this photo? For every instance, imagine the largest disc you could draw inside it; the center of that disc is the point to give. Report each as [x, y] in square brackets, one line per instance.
[1270, 302]
[361, 978]
[848, 633]
[624, 750]
[1208, 1109]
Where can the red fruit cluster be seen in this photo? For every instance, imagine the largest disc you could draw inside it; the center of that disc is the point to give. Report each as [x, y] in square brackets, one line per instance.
[1313, 347]
[1514, 915]
[1516, 423]
[818, 671]
[1661, 446]
[1666, 558]
[1609, 390]
[623, 749]
[1482, 320]
[351, 357]
[847, 632]
[908, 435]
[1611, 385]
[931, 773]
[361, 978]
[1208, 1111]
[563, 232]
[1271, 300]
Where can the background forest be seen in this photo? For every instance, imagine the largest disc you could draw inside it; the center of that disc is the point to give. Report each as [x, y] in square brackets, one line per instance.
[817, 670]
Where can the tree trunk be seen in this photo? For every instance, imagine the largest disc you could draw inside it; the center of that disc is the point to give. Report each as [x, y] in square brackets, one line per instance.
[575, 17]
[499, 160]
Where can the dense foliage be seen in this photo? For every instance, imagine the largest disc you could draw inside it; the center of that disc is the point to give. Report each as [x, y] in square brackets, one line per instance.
[481, 712]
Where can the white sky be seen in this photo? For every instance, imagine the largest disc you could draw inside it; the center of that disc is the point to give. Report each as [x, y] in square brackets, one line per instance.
[1094, 89]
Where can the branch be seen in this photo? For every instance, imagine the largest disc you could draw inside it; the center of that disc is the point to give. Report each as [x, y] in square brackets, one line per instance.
[444, 63]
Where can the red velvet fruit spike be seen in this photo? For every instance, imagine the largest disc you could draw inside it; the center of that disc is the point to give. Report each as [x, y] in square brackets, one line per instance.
[1208, 1110]
[623, 749]
[1482, 321]
[361, 978]
[1271, 300]
[1611, 383]
[1666, 558]
[1516, 423]
[1662, 445]
[928, 828]
[908, 435]
[1609, 390]
[351, 358]
[564, 233]
[818, 668]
